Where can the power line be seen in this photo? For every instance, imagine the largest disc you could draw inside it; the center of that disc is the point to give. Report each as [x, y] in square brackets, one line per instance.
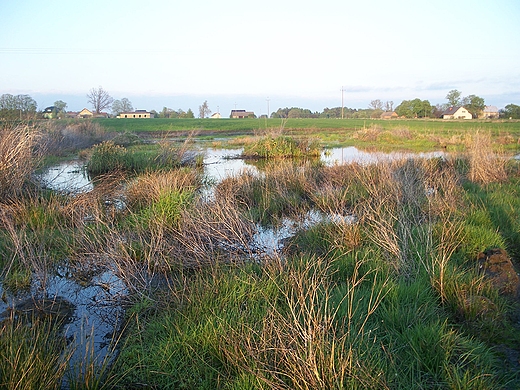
[63, 50]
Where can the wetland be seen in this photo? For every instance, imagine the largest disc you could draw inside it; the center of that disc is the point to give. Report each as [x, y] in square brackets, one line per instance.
[252, 261]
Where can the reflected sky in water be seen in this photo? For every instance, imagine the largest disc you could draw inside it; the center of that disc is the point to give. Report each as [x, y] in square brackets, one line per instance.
[218, 164]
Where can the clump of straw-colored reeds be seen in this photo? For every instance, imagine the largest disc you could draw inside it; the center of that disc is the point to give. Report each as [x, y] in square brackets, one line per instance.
[485, 165]
[18, 158]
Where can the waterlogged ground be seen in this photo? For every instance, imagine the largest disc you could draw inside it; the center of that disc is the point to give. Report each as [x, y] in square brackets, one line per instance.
[93, 307]
[90, 309]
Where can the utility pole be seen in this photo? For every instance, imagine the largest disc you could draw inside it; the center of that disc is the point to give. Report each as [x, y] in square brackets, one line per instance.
[267, 106]
[342, 90]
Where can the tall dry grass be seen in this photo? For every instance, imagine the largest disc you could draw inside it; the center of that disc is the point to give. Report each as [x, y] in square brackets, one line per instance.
[32, 356]
[62, 137]
[19, 157]
[411, 209]
[485, 165]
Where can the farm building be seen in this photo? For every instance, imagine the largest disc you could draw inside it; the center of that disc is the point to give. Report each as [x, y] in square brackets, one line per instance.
[389, 115]
[242, 114]
[85, 113]
[136, 114]
[49, 112]
[490, 112]
[457, 113]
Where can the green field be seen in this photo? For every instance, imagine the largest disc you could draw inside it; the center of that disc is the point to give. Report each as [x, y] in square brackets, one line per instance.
[226, 124]
[411, 134]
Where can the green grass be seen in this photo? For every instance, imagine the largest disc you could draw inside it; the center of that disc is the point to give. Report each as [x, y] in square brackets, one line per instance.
[401, 134]
[432, 125]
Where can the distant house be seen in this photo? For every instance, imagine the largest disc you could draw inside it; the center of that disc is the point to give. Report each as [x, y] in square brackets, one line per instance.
[389, 115]
[49, 112]
[136, 114]
[490, 112]
[242, 114]
[456, 113]
[216, 115]
[85, 114]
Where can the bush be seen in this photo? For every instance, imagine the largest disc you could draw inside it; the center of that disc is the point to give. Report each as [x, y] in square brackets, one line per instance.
[282, 147]
[107, 157]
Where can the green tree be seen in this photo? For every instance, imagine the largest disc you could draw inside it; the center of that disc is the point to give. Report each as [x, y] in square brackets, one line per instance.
[511, 111]
[335, 112]
[59, 107]
[474, 104]
[20, 107]
[123, 105]
[416, 108]
[453, 98]
[189, 114]
[404, 109]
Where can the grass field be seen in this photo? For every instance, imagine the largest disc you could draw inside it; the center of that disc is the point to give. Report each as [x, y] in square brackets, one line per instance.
[226, 124]
[414, 135]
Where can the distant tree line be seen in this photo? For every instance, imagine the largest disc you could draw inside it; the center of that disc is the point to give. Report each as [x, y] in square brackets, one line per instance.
[24, 107]
[170, 113]
[511, 111]
[415, 108]
[17, 107]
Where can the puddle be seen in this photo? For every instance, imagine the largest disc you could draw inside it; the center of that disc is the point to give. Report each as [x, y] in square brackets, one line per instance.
[71, 177]
[269, 241]
[91, 312]
[67, 177]
[222, 163]
[351, 154]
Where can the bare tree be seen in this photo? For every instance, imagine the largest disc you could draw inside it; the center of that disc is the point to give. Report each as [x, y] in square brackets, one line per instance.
[100, 99]
[376, 104]
[123, 105]
[389, 106]
[204, 110]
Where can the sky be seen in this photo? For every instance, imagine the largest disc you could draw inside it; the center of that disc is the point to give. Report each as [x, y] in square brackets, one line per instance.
[260, 55]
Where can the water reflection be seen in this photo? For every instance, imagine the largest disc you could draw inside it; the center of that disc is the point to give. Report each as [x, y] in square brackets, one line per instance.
[97, 311]
[222, 163]
[68, 177]
[219, 164]
[351, 154]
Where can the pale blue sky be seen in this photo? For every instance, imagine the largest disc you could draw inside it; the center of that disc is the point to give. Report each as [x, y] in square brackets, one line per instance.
[298, 53]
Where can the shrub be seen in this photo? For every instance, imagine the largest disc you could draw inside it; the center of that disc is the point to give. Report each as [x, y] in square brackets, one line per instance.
[107, 157]
[282, 147]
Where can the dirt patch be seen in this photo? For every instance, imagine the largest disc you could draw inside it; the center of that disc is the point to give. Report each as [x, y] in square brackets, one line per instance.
[499, 270]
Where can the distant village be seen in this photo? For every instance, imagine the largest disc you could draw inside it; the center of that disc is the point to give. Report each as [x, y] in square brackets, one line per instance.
[457, 112]
[104, 106]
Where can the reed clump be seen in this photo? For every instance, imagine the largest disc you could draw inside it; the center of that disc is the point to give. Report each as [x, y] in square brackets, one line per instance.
[281, 146]
[32, 355]
[60, 138]
[19, 157]
[485, 165]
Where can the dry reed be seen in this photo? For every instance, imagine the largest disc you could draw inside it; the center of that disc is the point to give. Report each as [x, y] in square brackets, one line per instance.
[18, 159]
[485, 165]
